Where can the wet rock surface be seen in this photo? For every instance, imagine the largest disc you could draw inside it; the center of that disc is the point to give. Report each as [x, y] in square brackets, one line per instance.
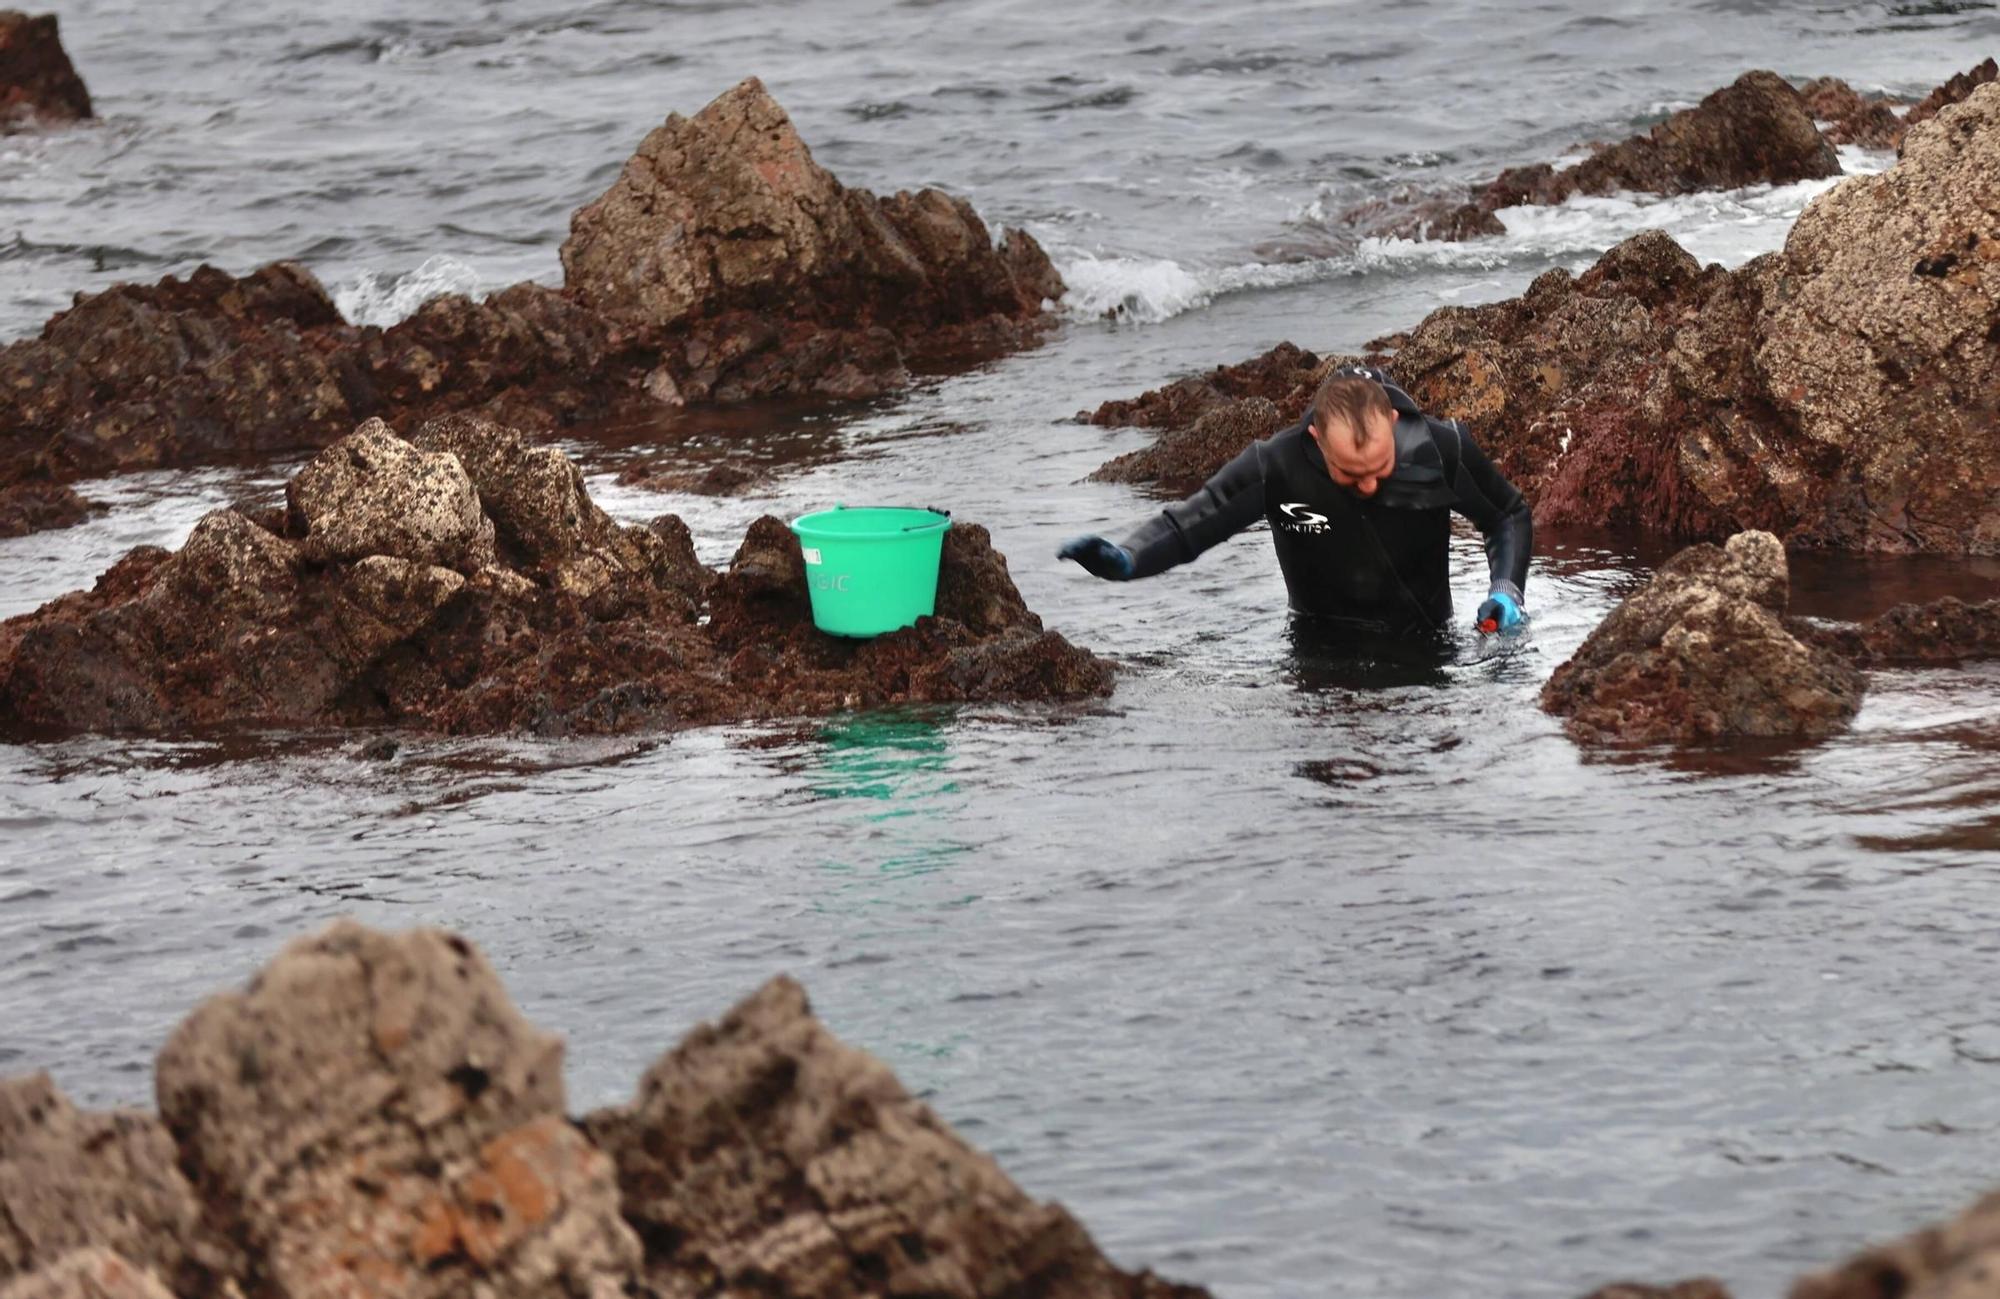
[1837, 393]
[38, 84]
[371, 1115]
[38, 506]
[764, 1153]
[724, 264]
[1913, 635]
[1849, 117]
[1701, 654]
[464, 581]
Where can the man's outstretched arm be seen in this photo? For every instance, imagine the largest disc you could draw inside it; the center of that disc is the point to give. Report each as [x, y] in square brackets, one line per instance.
[1497, 509]
[1226, 504]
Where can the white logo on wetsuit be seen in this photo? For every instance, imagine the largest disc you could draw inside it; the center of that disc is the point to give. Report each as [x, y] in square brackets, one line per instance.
[1298, 518]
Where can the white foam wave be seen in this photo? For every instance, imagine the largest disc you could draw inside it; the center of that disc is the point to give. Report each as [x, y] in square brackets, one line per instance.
[1729, 227]
[1148, 290]
[370, 299]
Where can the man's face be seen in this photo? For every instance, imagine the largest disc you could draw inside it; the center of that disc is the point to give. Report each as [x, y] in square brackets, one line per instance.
[1360, 467]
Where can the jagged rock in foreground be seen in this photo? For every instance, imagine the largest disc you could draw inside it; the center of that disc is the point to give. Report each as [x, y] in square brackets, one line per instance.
[372, 1116]
[86, 1274]
[464, 581]
[724, 264]
[1701, 653]
[38, 85]
[1958, 1260]
[69, 1180]
[1757, 130]
[1837, 393]
[763, 1154]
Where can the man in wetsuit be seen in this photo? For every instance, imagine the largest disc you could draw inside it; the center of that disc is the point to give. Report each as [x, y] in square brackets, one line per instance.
[1359, 495]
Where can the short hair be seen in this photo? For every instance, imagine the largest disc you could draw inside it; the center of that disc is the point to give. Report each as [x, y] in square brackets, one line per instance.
[1352, 400]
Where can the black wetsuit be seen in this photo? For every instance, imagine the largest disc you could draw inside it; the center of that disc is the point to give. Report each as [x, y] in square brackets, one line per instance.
[1380, 562]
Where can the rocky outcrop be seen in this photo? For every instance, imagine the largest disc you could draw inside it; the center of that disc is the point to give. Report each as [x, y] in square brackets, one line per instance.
[1875, 346]
[372, 1116]
[1955, 91]
[1849, 117]
[1837, 393]
[71, 1180]
[1702, 654]
[38, 85]
[464, 581]
[724, 264]
[765, 1154]
[1758, 130]
[723, 235]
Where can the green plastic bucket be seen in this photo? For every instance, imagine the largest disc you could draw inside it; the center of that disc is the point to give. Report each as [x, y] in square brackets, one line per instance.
[871, 571]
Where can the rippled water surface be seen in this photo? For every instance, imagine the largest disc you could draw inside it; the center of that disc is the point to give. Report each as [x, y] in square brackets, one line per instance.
[1290, 976]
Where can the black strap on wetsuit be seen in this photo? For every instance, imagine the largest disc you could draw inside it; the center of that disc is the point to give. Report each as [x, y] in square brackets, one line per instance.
[1379, 561]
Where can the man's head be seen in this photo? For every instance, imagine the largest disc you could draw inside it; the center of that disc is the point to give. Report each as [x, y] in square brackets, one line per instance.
[1355, 427]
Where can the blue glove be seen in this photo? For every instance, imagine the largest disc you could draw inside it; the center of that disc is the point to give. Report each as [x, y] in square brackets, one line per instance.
[1101, 558]
[1501, 612]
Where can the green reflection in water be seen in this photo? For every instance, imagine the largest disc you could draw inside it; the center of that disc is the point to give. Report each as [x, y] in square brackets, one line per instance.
[898, 763]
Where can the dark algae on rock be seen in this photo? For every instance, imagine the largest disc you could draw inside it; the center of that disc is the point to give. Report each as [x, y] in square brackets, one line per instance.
[464, 581]
[38, 84]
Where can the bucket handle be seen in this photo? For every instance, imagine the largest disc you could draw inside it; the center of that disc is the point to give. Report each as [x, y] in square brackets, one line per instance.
[932, 509]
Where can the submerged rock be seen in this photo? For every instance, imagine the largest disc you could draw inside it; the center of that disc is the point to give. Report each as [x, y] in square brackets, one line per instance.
[1701, 653]
[465, 581]
[724, 264]
[1837, 393]
[38, 85]
[765, 1154]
